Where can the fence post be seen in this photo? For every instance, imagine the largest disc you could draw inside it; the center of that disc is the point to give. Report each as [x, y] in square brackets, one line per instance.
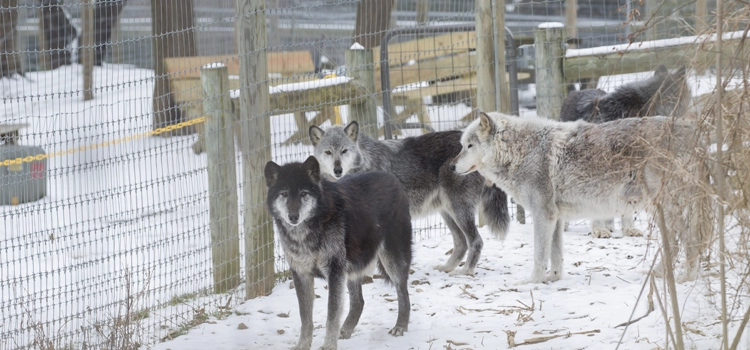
[255, 126]
[87, 49]
[549, 39]
[359, 65]
[222, 177]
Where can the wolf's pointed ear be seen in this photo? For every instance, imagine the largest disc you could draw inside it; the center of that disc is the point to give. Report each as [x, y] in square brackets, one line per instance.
[271, 172]
[486, 123]
[316, 134]
[313, 168]
[681, 72]
[661, 71]
[352, 131]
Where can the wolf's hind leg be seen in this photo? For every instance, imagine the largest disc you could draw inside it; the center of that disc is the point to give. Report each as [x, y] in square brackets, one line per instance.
[628, 227]
[356, 304]
[465, 221]
[459, 245]
[599, 229]
[397, 269]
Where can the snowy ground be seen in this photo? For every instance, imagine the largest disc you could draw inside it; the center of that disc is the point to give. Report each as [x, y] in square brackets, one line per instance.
[599, 290]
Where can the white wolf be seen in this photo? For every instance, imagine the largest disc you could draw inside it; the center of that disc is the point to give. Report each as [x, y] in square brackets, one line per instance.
[564, 171]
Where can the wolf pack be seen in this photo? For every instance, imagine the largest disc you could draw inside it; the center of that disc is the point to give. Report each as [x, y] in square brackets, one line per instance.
[348, 208]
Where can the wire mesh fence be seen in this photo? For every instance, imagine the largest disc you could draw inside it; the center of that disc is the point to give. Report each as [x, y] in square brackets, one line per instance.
[109, 234]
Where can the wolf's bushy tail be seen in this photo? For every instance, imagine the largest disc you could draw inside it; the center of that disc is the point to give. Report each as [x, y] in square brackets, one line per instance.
[494, 206]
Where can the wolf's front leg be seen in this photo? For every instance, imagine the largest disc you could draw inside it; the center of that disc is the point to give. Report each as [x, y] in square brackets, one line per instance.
[336, 281]
[304, 285]
[556, 270]
[544, 226]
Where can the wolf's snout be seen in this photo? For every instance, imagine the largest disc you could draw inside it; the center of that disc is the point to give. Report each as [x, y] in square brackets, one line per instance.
[452, 168]
[337, 171]
[293, 218]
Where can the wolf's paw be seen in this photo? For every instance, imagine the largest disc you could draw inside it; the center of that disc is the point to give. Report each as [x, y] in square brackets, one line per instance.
[685, 277]
[328, 347]
[444, 268]
[533, 280]
[601, 233]
[633, 232]
[553, 277]
[397, 331]
[346, 333]
[300, 347]
[462, 272]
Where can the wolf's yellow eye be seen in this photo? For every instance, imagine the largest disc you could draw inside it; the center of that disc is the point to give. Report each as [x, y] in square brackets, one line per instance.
[284, 193]
[469, 146]
[344, 151]
[328, 153]
[303, 194]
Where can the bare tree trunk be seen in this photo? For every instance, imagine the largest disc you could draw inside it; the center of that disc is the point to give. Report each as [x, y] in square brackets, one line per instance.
[173, 36]
[9, 60]
[58, 33]
[106, 14]
[373, 19]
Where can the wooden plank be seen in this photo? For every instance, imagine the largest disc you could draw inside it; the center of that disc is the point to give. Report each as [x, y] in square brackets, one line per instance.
[465, 83]
[427, 48]
[282, 62]
[255, 126]
[222, 179]
[631, 61]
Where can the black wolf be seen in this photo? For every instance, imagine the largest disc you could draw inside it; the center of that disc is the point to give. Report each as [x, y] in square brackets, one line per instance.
[337, 231]
[662, 94]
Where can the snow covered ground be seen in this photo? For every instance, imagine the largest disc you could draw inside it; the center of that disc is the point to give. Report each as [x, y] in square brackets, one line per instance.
[599, 290]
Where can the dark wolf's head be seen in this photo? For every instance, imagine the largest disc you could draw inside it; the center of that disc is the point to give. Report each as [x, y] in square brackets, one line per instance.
[336, 148]
[668, 93]
[293, 190]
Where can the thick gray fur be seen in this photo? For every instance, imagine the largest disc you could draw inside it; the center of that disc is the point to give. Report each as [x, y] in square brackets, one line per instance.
[339, 231]
[663, 93]
[562, 171]
[421, 164]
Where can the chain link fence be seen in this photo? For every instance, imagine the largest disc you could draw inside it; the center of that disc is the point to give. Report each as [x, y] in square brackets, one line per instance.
[106, 216]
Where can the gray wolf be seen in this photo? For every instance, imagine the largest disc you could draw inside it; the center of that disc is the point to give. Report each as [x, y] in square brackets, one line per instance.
[562, 171]
[421, 164]
[338, 231]
[663, 93]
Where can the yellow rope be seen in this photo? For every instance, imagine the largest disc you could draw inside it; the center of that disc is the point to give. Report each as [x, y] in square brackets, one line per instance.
[29, 159]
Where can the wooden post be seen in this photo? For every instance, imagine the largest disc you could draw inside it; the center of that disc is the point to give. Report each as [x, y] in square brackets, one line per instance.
[222, 177]
[502, 97]
[549, 39]
[116, 42]
[255, 126]
[359, 65]
[41, 45]
[659, 24]
[423, 10]
[87, 49]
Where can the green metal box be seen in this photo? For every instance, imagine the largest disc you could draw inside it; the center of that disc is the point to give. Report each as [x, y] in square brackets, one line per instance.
[25, 181]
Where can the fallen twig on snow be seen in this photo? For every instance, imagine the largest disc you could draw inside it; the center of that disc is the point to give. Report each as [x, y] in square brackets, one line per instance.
[650, 305]
[537, 340]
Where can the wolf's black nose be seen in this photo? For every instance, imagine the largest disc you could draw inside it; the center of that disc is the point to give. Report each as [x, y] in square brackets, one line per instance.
[453, 168]
[337, 171]
[293, 217]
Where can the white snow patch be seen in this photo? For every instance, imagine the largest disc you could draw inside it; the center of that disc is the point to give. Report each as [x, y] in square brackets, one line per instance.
[213, 65]
[305, 85]
[550, 25]
[653, 44]
[357, 46]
